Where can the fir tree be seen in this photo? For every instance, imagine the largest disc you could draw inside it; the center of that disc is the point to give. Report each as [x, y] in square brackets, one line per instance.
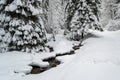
[21, 18]
[82, 15]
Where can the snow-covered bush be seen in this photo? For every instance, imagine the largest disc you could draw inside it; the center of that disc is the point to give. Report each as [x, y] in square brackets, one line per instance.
[21, 18]
[82, 15]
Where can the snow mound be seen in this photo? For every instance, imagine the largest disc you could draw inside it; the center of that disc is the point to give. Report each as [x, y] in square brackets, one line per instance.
[61, 45]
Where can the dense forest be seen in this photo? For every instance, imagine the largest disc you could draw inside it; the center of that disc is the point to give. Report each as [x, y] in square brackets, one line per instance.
[25, 24]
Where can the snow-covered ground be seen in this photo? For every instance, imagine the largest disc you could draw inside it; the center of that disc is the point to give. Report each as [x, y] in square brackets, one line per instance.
[98, 59]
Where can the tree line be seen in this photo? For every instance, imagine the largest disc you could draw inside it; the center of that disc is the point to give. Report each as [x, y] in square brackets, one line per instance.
[24, 23]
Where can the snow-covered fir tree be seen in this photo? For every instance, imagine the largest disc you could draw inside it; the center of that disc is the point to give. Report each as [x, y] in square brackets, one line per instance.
[81, 16]
[5, 36]
[4, 40]
[22, 20]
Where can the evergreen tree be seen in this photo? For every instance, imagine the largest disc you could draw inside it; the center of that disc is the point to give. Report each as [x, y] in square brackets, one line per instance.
[21, 19]
[82, 15]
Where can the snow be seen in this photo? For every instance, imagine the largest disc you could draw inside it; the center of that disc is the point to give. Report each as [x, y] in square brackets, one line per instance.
[2, 1]
[61, 45]
[105, 49]
[98, 59]
[14, 62]
[40, 63]
[19, 62]
[11, 7]
[34, 10]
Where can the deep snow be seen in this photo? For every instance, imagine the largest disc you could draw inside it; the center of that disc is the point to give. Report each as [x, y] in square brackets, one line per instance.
[98, 59]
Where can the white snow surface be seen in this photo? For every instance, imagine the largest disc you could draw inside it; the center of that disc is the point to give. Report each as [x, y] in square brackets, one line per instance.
[98, 59]
[61, 45]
